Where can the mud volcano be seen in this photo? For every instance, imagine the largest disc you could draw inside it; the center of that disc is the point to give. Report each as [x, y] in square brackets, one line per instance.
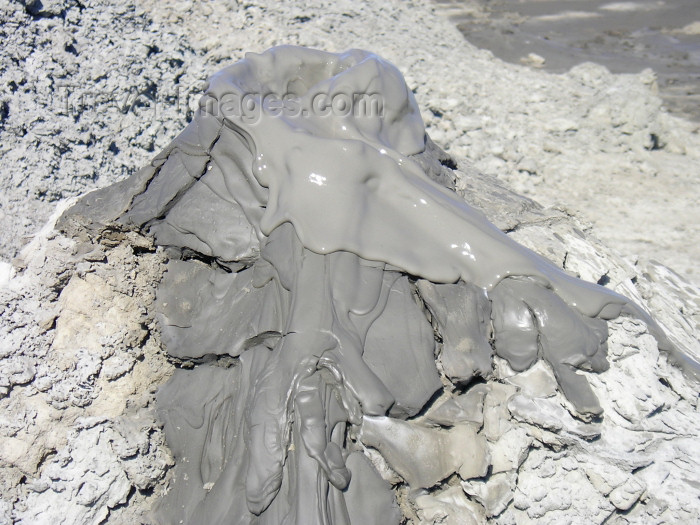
[334, 307]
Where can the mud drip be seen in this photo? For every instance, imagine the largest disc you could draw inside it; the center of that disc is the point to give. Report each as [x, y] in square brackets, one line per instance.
[317, 257]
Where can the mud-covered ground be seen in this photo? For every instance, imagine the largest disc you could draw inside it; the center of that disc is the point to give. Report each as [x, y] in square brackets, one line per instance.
[90, 91]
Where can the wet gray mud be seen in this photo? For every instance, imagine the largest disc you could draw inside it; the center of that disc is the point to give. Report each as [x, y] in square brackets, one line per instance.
[325, 287]
[625, 37]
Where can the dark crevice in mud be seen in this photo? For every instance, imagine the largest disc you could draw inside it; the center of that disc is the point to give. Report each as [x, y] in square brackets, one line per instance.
[175, 63]
[565, 260]
[619, 512]
[553, 446]
[224, 361]
[149, 92]
[187, 254]
[122, 505]
[113, 148]
[512, 229]
[588, 419]
[218, 360]
[147, 493]
[170, 204]
[61, 281]
[176, 198]
[428, 405]
[139, 249]
[449, 163]
[489, 473]
[156, 172]
[268, 339]
[70, 48]
[464, 387]
[4, 113]
[642, 467]
[46, 459]
[547, 222]
[194, 177]
[654, 142]
[656, 411]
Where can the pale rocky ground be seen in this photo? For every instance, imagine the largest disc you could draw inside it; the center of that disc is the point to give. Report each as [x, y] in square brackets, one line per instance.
[80, 358]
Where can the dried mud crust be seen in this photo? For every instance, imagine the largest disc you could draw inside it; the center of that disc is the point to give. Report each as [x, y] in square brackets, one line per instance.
[549, 470]
[81, 363]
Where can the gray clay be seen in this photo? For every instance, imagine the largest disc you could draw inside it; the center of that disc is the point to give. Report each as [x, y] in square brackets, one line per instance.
[327, 285]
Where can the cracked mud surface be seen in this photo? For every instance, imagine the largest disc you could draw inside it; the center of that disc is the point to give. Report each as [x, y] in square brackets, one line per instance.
[638, 464]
